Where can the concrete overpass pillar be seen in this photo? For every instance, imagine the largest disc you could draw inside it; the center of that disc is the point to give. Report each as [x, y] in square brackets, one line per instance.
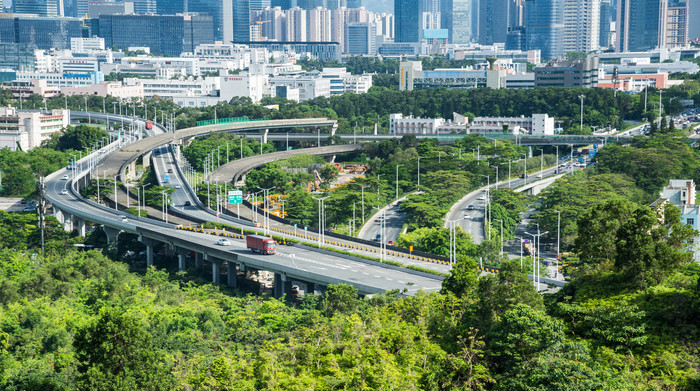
[146, 159]
[263, 135]
[149, 255]
[330, 159]
[288, 289]
[187, 141]
[112, 233]
[310, 288]
[181, 265]
[321, 290]
[334, 129]
[81, 227]
[232, 275]
[215, 272]
[197, 260]
[277, 289]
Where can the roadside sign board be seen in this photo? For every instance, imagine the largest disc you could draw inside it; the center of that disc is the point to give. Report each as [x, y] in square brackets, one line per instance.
[235, 197]
[166, 178]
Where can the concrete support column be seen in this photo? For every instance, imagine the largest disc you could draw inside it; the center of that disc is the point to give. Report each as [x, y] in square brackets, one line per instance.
[181, 266]
[321, 290]
[277, 289]
[232, 275]
[288, 290]
[264, 133]
[334, 129]
[310, 288]
[197, 260]
[149, 255]
[81, 227]
[147, 159]
[111, 233]
[215, 272]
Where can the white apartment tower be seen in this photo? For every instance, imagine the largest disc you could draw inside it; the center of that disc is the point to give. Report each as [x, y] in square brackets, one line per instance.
[319, 25]
[274, 23]
[581, 26]
[296, 24]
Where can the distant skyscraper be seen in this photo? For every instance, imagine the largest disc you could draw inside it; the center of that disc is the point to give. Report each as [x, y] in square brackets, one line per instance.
[407, 18]
[167, 35]
[335, 4]
[319, 27]
[605, 21]
[215, 8]
[296, 25]
[638, 25]
[493, 21]
[361, 38]
[39, 7]
[544, 27]
[581, 26]
[241, 21]
[676, 24]
[284, 4]
[167, 7]
[456, 17]
[354, 3]
[145, 6]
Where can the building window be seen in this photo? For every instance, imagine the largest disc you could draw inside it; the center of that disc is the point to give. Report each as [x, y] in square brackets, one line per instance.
[691, 222]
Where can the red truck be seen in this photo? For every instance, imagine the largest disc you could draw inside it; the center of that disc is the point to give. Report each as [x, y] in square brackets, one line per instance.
[260, 244]
[149, 125]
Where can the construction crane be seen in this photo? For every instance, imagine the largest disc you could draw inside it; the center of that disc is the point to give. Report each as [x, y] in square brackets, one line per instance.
[260, 23]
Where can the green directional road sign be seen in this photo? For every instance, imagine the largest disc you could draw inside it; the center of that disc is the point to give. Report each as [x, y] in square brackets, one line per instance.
[235, 197]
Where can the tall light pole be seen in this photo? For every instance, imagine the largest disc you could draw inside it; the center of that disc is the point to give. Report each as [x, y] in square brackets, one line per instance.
[556, 259]
[321, 219]
[397, 180]
[266, 213]
[581, 129]
[501, 221]
[144, 197]
[487, 217]
[661, 107]
[418, 185]
[363, 202]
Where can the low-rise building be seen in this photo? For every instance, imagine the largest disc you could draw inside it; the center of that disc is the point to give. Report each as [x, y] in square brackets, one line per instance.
[166, 88]
[538, 124]
[106, 88]
[310, 87]
[568, 73]
[398, 124]
[681, 194]
[62, 79]
[25, 130]
[343, 81]
[412, 77]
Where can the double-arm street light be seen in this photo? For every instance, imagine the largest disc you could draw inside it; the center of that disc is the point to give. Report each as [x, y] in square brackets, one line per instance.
[321, 219]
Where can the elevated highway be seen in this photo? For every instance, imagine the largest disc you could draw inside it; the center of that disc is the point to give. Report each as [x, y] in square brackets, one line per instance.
[291, 264]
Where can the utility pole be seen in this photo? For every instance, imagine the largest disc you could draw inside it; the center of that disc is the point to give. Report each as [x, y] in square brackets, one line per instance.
[581, 96]
[40, 187]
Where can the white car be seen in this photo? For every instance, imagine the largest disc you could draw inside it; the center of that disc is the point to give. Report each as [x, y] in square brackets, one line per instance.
[64, 192]
[178, 186]
[64, 178]
[539, 175]
[482, 197]
[223, 242]
[466, 216]
[123, 219]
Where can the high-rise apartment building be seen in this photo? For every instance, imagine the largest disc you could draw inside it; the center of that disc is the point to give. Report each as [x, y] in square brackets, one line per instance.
[544, 27]
[284, 4]
[354, 3]
[581, 26]
[296, 25]
[319, 27]
[273, 23]
[456, 17]
[407, 18]
[676, 24]
[38, 7]
[144, 7]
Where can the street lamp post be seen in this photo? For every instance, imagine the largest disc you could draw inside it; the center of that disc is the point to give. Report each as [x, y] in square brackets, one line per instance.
[321, 219]
[487, 217]
[581, 96]
[501, 221]
[144, 197]
[397, 180]
[418, 184]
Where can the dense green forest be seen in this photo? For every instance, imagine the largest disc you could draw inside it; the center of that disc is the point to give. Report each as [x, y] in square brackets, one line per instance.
[80, 320]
